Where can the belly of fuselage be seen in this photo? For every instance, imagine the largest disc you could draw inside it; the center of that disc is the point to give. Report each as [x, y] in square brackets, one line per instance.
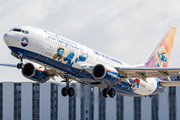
[84, 76]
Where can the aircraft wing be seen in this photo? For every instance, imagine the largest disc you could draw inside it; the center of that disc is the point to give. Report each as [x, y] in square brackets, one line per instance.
[52, 72]
[8, 65]
[169, 83]
[147, 72]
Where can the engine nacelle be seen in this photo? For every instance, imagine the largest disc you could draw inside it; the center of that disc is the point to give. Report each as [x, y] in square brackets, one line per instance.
[101, 72]
[34, 73]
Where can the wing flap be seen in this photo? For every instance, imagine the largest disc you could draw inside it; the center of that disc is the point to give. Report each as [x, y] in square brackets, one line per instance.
[169, 83]
[147, 72]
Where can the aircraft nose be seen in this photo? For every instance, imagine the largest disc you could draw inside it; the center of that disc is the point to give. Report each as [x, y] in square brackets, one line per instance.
[8, 39]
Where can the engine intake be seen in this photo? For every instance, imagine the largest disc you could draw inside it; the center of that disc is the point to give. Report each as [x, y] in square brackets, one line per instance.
[99, 71]
[31, 72]
[28, 70]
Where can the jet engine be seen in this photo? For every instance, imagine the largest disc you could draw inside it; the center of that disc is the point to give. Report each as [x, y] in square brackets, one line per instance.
[34, 73]
[101, 72]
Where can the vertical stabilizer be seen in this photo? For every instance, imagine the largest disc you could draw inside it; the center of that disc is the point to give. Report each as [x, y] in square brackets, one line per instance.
[160, 56]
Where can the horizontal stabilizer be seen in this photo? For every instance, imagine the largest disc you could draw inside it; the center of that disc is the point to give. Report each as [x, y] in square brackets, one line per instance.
[169, 83]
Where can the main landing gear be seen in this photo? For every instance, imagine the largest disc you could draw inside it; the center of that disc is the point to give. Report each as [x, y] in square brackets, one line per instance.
[67, 90]
[109, 92]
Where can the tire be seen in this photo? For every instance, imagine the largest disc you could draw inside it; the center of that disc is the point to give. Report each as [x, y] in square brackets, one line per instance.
[112, 93]
[64, 91]
[21, 65]
[71, 92]
[18, 66]
[105, 92]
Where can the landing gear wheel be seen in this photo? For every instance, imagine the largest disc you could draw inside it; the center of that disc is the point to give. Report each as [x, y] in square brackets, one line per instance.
[20, 65]
[64, 91]
[112, 93]
[71, 92]
[105, 92]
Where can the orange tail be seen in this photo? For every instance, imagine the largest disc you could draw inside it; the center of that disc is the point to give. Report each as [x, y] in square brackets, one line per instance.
[160, 56]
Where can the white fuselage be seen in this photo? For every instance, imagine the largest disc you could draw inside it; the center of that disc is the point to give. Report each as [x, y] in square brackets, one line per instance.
[47, 44]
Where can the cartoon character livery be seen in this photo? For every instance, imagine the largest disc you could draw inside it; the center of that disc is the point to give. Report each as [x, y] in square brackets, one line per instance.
[60, 54]
[82, 58]
[90, 67]
[69, 59]
[163, 50]
[136, 82]
[161, 57]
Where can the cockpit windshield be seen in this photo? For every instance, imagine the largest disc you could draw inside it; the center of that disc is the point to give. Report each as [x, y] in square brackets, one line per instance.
[19, 30]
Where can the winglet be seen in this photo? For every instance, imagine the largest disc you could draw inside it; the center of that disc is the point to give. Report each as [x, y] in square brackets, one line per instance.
[160, 56]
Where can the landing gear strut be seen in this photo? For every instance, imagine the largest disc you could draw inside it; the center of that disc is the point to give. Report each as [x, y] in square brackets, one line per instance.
[66, 90]
[109, 92]
[20, 65]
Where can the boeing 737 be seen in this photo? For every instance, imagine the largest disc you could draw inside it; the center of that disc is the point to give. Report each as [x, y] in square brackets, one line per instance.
[57, 56]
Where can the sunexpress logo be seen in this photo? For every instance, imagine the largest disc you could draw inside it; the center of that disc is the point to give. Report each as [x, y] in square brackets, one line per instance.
[24, 41]
[61, 40]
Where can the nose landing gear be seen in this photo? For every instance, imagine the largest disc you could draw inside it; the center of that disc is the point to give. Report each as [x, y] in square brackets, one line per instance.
[20, 56]
[20, 65]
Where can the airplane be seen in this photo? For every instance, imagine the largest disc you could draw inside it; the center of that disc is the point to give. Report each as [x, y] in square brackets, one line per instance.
[56, 56]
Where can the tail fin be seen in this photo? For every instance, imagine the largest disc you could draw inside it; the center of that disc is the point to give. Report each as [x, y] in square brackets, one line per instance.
[160, 56]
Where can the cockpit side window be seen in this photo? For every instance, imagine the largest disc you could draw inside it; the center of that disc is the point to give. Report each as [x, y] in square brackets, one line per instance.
[26, 32]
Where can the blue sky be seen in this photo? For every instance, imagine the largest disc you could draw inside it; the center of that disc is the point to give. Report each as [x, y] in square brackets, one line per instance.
[127, 30]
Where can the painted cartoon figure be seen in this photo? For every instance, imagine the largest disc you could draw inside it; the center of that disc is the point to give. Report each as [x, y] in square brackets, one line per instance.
[136, 82]
[69, 58]
[125, 85]
[82, 58]
[60, 54]
[161, 57]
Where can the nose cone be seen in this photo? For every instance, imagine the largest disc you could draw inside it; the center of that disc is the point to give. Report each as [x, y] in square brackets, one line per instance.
[8, 39]
[5, 37]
